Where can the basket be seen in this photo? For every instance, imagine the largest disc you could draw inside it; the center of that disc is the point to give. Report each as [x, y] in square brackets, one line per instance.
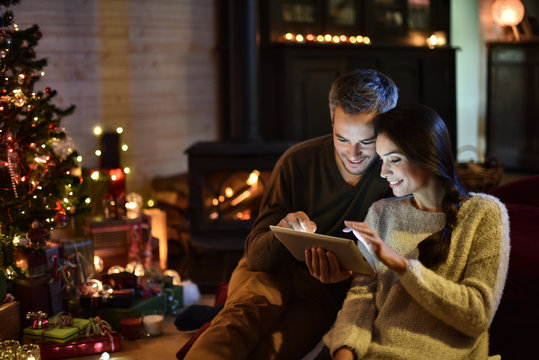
[480, 177]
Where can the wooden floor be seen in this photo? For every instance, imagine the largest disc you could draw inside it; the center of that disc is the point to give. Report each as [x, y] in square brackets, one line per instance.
[162, 347]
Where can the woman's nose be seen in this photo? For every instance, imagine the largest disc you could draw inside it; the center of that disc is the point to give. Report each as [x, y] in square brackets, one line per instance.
[384, 172]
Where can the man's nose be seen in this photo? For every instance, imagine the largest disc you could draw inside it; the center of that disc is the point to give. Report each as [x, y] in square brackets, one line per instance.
[355, 150]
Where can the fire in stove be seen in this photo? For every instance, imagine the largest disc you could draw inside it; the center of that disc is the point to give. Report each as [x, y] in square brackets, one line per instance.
[233, 196]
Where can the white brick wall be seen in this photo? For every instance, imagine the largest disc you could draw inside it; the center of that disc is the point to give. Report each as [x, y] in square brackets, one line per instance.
[149, 66]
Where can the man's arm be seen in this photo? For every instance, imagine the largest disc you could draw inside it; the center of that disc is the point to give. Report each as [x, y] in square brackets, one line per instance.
[262, 250]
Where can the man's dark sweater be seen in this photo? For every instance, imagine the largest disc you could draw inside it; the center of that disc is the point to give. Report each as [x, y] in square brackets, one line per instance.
[306, 178]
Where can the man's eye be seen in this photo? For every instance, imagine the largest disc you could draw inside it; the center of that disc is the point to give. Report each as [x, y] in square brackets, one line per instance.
[342, 140]
[368, 142]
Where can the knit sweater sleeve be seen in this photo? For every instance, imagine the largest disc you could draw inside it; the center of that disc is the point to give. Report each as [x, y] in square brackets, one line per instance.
[353, 326]
[467, 301]
[354, 323]
[264, 252]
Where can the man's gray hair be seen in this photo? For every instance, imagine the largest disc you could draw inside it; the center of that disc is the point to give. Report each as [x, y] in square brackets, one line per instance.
[363, 91]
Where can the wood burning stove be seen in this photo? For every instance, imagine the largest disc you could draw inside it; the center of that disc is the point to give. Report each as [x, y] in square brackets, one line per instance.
[226, 183]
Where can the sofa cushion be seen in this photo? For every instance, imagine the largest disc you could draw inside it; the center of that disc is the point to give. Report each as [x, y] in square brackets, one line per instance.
[522, 191]
[515, 329]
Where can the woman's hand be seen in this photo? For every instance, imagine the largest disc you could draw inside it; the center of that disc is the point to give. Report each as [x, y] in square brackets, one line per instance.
[344, 354]
[383, 252]
[324, 266]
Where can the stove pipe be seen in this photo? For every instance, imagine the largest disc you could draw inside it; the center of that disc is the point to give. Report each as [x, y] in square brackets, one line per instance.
[243, 70]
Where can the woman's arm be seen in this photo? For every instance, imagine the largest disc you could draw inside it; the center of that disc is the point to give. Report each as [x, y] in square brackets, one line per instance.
[469, 302]
[353, 326]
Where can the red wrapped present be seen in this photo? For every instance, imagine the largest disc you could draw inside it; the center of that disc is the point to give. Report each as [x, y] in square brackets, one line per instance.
[38, 262]
[33, 294]
[83, 346]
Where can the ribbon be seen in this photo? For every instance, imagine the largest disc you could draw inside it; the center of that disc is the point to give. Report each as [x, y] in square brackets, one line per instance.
[137, 242]
[60, 271]
[98, 326]
[79, 259]
[63, 319]
[39, 319]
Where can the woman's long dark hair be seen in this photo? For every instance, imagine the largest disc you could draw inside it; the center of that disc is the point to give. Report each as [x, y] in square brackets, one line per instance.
[421, 135]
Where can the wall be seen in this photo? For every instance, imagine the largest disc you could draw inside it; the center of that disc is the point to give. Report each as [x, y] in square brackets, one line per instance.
[146, 65]
[465, 36]
[472, 27]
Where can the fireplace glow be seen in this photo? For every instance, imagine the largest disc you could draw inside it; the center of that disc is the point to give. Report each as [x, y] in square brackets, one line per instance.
[236, 195]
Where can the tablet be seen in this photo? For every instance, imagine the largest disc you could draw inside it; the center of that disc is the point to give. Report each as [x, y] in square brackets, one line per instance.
[346, 250]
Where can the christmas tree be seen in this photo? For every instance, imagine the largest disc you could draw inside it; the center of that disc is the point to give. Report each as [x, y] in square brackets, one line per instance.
[40, 180]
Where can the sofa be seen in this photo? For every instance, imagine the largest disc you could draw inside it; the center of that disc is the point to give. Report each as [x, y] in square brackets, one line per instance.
[515, 329]
[514, 332]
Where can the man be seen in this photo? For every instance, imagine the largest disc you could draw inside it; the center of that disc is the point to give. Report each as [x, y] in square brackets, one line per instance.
[277, 307]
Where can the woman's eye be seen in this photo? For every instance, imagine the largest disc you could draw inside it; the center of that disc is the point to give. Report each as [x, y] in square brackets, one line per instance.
[394, 161]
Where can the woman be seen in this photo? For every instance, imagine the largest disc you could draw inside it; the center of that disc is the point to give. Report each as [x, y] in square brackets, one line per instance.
[442, 254]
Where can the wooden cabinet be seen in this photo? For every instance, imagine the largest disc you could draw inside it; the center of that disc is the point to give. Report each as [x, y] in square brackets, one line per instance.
[384, 21]
[513, 105]
[295, 81]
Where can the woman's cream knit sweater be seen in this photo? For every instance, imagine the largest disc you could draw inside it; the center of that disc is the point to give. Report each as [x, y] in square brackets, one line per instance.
[426, 314]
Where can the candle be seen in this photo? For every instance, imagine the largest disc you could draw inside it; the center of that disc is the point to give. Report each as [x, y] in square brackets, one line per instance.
[131, 327]
[153, 324]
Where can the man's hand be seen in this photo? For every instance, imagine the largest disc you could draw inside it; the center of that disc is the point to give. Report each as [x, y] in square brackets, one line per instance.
[298, 221]
[324, 266]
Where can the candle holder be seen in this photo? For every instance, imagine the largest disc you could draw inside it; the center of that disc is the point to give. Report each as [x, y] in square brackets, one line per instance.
[8, 349]
[131, 327]
[153, 322]
[29, 352]
[8, 355]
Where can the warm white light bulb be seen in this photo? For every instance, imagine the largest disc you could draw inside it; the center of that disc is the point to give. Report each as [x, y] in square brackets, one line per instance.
[507, 12]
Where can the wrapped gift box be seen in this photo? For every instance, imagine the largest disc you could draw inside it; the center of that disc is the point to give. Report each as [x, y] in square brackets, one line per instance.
[112, 237]
[38, 262]
[86, 345]
[84, 249]
[140, 305]
[56, 334]
[122, 280]
[33, 294]
[116, 299]
[10, 314]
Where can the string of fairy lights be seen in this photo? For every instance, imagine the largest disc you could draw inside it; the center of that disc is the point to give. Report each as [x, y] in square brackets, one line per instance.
[434, 40]
[327, 39]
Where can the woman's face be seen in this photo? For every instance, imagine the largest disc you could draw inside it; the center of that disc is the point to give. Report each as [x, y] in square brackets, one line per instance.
[404, 178]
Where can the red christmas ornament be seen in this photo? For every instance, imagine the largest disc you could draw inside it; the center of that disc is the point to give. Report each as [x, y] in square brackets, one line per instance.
[53, 126]
[48, 90]
[37, 235]
[38, 35]
[61, 219]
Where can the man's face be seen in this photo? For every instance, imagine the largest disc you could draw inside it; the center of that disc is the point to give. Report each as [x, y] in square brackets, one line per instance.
[354, 142]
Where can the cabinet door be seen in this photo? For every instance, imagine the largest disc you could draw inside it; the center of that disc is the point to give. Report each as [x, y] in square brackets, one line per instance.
[513, 106]
[307, 105]
[296, 82]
